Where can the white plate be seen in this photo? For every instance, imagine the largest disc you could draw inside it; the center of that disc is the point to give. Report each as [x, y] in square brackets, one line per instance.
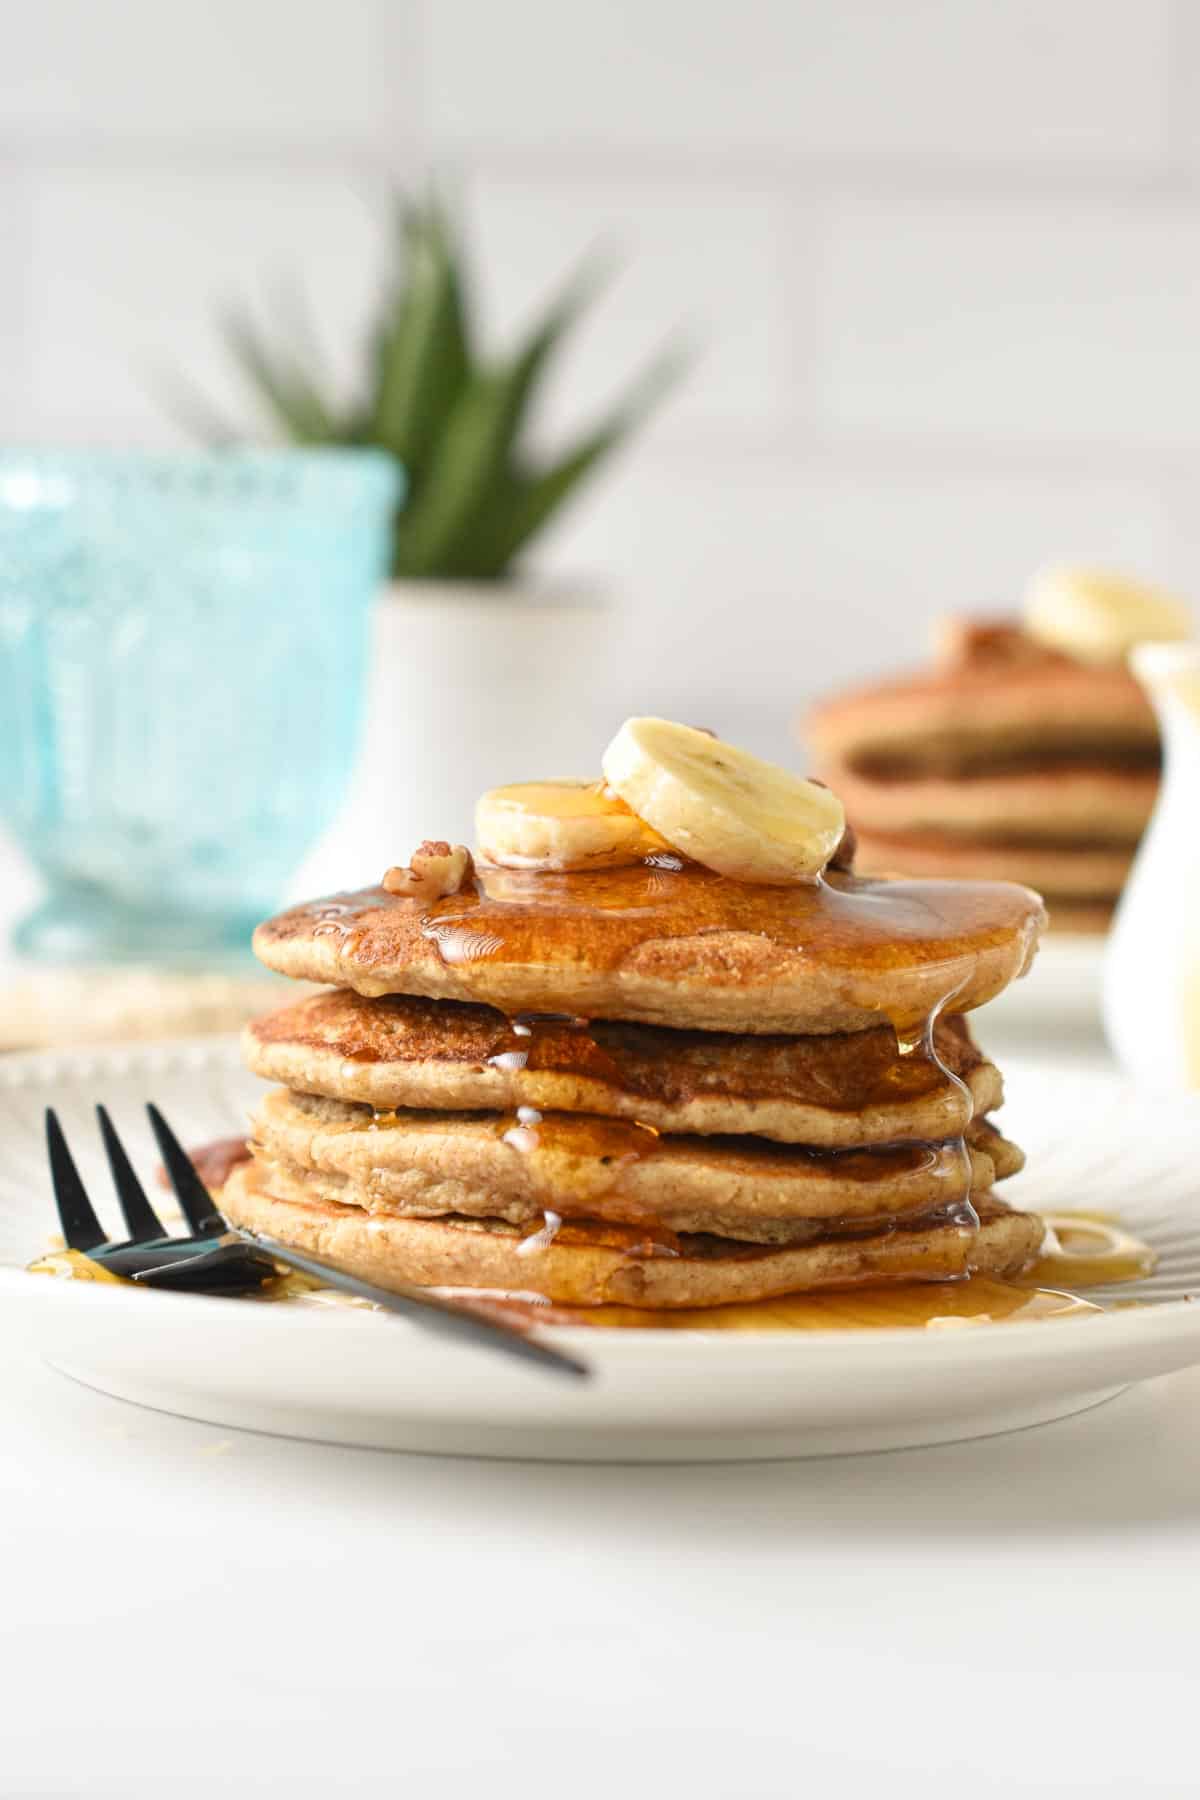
[360, 1378]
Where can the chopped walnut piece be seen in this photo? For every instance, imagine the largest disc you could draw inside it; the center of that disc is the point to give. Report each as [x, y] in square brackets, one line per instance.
[962, 639]
[437, 868]
[843, 856]
[847, 850]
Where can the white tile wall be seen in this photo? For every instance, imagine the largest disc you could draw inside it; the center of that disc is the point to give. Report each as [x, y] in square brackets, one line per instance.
[697, 262]
[1061, 320]
[128, 264]
[942, 259]
[748, 595]
[14, 268]
[271, 71]
[954, 78]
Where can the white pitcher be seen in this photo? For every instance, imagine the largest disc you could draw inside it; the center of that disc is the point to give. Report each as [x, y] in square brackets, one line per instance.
[1152, 968]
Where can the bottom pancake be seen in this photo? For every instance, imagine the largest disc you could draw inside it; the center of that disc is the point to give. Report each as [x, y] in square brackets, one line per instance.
[593, 1266]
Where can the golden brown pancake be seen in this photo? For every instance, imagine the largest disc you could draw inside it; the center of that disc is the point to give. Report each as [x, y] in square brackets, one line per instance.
[518, 1167]
[1087, 918]
[1074, 871]
[842, 1089]
[676, 946]
[1087, 806]
[1007, 760]
[589, 1266]
[997, 702]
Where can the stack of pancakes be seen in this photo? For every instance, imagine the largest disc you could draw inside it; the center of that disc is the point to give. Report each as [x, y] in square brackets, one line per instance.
[652, 1085]
[1008, 760]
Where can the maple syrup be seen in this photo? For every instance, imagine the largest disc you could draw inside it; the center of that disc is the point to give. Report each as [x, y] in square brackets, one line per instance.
[929, 1306]
[1085, 1250]
[847, 1073]
[914, 943]
[894, 948]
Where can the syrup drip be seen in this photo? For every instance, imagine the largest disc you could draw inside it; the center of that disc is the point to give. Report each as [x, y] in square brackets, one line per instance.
[913, 1041]
[542, 1240]
[337, 918]
[607, 1150]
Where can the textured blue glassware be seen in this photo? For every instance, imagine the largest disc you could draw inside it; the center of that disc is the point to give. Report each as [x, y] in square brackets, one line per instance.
[182, 655]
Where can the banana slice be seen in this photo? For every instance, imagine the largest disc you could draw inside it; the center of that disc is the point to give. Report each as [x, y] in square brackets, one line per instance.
[560, 825]
[1099, 617]
[723, 807]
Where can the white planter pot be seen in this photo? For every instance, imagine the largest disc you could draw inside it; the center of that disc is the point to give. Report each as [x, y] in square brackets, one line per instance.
[471, 685]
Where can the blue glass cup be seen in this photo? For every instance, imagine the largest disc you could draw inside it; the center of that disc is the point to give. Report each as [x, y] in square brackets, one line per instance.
[183, 644]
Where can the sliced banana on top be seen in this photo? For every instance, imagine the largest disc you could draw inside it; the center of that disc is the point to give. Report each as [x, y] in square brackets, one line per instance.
[560, 826]
[721, 806]
[1099, 617]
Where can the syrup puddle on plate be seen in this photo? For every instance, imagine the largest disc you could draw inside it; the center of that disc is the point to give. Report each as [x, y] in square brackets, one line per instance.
[920, 1305]
[1083, 1250]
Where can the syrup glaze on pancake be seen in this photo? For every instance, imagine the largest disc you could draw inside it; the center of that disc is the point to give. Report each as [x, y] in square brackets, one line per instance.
[590, 1266]
[527, 1166]
[841, 1089]
[672, 943]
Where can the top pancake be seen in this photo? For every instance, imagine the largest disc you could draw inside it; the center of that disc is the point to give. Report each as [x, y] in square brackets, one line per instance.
[674, 944]
[1005, 702]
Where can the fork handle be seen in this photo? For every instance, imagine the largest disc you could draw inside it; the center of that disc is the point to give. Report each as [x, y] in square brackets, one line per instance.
[453, 1318]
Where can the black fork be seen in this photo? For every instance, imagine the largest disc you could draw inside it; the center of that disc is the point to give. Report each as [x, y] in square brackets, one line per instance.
[217, 1258]
[207, 1261]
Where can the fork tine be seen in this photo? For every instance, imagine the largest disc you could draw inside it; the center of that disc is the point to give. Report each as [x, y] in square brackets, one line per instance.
[81, 1227]
[141, 1220]
[190, 1191]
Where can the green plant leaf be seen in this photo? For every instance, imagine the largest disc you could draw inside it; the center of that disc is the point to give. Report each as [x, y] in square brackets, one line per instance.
[471, 460]
[287, 394]
[423, 356]
[525, 501]
[457, 422]
[194, 413]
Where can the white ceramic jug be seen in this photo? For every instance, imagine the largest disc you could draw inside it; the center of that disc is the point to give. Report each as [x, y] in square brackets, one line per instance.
[1152, 970]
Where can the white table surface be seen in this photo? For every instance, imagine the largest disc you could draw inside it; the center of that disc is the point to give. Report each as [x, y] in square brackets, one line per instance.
[191, 1611]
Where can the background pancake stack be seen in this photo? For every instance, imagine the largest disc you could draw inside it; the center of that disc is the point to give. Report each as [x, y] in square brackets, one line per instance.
[1010, 760]
[744, 1124]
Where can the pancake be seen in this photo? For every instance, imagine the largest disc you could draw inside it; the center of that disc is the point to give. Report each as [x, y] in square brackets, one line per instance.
[842, 1089]
[586, 1270]
[1017, 703]
[1076, 871]
[1084, 805]
[516, 1169]
[1085, 918]
[675, 945]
